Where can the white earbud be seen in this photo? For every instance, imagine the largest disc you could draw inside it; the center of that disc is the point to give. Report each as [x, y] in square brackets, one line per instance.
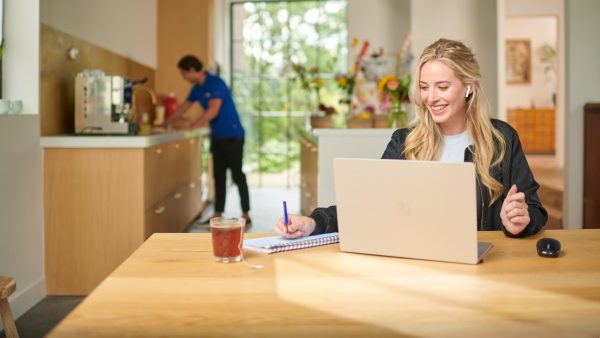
[468, 91]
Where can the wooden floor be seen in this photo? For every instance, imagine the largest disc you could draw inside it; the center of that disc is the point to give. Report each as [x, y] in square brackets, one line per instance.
[550, 176]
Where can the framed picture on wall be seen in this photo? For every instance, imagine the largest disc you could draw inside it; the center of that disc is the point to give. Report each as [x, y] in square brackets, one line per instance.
[518, 61]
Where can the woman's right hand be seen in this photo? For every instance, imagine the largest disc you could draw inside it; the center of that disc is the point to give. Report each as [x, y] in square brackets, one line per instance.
[299, 226]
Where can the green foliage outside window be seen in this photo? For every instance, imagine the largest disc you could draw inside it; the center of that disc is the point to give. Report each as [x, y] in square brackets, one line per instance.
[266, 36]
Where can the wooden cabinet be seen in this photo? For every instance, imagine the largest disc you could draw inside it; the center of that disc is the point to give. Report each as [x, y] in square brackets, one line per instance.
[173, 185]
[536, 129]
[308, 175]
[591, 166]
[102, 203]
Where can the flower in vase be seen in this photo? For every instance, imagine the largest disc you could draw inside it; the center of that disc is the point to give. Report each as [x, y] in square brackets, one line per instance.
[367, 113]
[328, 110]
[311, 81]
[347, 81]
[394, 89]
[342, 80]
[393, 94]
[392, 84]
[404, 57]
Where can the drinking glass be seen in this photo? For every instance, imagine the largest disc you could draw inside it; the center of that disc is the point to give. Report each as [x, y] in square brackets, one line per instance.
[227, 238]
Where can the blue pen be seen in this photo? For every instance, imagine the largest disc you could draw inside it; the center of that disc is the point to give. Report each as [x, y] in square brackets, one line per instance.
[285, 216]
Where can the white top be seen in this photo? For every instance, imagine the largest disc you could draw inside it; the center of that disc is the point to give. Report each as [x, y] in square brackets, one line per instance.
[453, 147]
[355, 132]
[348, 143]
[125, 141]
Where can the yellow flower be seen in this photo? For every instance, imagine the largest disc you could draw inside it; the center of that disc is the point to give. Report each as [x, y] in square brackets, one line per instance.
[318, 82]
[383, 82]
[355, 42]
[363, 116]
[392, 84]
[342, 81]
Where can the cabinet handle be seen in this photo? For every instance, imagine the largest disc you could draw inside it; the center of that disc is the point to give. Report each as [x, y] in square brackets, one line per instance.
[159, 151]
[159, 210]
[177, 146]
[177, 196]
[192, 185]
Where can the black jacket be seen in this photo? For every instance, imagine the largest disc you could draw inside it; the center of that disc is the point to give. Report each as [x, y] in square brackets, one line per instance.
[513, 170]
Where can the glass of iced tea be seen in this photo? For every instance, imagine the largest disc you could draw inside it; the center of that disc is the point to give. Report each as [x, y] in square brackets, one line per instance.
[227, 238]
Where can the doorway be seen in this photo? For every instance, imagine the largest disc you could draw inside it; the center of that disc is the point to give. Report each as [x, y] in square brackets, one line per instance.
[532, 98]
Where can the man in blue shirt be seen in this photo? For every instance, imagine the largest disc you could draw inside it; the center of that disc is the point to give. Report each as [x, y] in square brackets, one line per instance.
[227, 133]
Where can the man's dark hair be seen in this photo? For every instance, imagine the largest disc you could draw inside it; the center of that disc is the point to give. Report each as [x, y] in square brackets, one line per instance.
[188, 62]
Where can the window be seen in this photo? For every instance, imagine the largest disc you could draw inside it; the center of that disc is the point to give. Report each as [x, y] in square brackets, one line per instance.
[265, 37]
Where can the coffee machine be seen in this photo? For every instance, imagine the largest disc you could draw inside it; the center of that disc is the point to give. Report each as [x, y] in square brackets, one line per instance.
[102, 104]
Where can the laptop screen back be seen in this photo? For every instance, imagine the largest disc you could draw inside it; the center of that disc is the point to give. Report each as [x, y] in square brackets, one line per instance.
[412, 209]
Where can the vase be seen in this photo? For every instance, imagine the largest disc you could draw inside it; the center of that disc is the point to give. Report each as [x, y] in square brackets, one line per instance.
[354, 122]
[321, 122]
[397, 116]
[381, 121]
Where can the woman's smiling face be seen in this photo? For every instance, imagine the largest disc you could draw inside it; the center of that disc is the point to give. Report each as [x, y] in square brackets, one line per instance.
[443, 93]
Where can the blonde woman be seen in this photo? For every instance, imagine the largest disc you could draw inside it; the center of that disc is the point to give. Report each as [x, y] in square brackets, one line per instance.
[453, 125]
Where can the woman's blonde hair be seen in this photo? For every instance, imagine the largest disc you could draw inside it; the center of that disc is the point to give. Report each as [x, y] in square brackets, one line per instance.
[425, 140]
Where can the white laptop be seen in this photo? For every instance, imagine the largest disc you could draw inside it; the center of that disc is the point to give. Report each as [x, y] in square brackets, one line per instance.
[410, 209]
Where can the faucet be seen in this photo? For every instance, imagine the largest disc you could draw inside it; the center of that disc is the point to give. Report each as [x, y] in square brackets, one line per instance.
[133, 99]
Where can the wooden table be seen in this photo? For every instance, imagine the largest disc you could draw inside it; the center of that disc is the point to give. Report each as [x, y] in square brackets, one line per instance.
[171, 287]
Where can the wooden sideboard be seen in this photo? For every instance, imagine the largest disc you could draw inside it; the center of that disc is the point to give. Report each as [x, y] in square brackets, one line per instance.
[536, 128]
[591, 166]
[102, 203]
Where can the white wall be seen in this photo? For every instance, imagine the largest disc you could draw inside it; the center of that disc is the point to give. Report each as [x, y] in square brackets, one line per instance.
[582, 86]
[127, 28]
[539, 31]
[22, 221]
[20, 59]
[534, 7]
[471, 21]
[382, 22]
[21, 185]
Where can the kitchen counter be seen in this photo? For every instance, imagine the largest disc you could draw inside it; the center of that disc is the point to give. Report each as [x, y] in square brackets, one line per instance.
[119, 141]
[105, 195]
[355, 132]
[308, 135]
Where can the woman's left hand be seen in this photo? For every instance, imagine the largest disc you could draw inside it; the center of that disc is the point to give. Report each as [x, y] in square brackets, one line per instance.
[514, 212]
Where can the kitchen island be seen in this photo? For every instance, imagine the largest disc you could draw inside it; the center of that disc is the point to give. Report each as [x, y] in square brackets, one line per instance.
[105, 195]
[348, 143]
[318, 148]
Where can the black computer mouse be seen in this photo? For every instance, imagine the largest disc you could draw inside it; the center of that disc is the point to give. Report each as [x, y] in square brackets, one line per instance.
[548, 247]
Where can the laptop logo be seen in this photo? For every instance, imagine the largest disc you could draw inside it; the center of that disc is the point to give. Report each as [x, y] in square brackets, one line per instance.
[403, 209]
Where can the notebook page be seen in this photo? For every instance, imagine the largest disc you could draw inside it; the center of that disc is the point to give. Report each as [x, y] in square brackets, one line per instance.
[278, 244]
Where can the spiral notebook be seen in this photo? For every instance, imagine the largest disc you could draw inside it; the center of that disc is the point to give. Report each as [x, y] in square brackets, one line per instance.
[278, 244]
